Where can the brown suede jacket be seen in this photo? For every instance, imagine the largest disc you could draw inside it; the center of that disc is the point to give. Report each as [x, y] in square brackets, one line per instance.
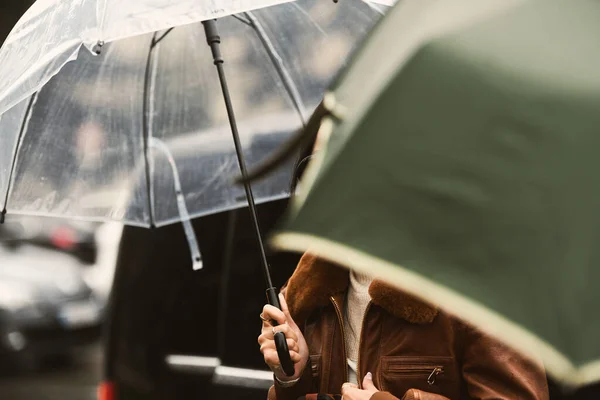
[413, 350]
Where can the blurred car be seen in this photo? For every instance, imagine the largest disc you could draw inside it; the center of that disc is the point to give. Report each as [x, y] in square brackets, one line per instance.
[100, 274]
[175, 333]
[76, 238]
[46, 307]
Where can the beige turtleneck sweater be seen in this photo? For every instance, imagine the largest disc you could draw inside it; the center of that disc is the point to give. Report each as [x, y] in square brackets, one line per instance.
[357, 300]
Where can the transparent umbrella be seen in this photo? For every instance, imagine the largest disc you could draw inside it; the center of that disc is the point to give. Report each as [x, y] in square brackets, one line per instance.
[135, 128]
[112, 135]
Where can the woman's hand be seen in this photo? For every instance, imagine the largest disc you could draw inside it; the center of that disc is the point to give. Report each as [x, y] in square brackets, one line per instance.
[351, 391]
[295, 341]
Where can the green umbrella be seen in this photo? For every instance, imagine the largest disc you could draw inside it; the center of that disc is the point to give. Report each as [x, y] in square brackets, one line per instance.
[463, 165]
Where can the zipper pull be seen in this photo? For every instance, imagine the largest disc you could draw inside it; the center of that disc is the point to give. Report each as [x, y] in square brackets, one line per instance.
[436, 371]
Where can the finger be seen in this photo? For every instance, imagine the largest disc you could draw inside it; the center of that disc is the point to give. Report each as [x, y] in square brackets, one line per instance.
[270, 344]
[348, 386]
[289, 332]
[352, 393]
[367, 382]
[286, 310]
[267, 331]
[285, 328]
[295, 356]
[293, 345]
[270, 312]
[267, 345]
[268, 348]
[266, 325]
[265, 321]
[271, 358]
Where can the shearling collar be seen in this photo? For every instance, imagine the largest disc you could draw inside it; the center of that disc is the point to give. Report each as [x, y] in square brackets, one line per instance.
[316, 280]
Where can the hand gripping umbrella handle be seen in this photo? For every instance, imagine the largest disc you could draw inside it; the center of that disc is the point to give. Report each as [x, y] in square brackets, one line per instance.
[287, 365]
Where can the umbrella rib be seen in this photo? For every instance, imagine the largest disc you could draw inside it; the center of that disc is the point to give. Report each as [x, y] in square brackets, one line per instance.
[146, 128]
[156, 41]
[24, 126]
[242, 20]
[284, 74]
[184, 214]
[375, 8]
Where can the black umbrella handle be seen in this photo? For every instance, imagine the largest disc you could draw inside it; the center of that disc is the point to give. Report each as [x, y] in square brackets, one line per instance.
[283, 352]
[214, 40]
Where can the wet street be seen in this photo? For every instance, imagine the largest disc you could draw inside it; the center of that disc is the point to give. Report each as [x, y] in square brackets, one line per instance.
[73, 379]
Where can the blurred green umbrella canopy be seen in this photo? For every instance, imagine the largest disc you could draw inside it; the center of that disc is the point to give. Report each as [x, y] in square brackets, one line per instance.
[462, 166]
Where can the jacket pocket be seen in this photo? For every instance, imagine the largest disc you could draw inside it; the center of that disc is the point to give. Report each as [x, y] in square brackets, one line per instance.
[398, 374]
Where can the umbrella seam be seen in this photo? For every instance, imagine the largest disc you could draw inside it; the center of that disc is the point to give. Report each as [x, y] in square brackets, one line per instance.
[15, 154]
[147, 113]
[288, 82]
[101, 17]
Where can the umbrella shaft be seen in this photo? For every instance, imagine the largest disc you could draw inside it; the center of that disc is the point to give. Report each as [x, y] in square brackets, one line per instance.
[214, 41]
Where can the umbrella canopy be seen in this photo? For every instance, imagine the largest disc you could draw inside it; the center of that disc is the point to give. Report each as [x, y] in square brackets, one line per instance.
[463, 168]
[102, 139]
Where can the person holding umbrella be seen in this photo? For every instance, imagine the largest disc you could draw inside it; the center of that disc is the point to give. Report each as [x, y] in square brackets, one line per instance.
[367, 340]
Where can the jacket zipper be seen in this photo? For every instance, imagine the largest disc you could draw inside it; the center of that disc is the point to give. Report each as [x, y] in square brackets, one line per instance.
[433, 376]
[362, 328]
[338, 311]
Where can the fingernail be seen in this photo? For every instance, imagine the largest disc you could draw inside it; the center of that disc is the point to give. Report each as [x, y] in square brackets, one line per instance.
[369, 375]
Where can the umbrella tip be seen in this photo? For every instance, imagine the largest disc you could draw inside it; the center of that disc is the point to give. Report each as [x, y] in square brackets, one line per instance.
[198, 264]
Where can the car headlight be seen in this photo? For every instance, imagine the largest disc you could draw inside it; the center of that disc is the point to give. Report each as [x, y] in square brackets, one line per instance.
[15, 296]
